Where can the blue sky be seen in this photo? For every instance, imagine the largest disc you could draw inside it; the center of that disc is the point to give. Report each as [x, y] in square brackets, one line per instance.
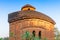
[48, 7]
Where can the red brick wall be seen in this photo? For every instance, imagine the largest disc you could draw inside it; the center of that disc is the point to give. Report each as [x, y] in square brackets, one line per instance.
[19, 27]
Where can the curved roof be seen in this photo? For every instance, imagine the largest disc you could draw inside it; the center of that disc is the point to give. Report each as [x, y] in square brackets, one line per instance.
[27, 5]
[28, 14]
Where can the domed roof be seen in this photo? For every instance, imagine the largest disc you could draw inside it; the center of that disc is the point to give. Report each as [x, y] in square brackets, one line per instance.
[29, 14]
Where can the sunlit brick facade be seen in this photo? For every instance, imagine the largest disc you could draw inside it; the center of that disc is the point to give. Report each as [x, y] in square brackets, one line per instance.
[30, 20]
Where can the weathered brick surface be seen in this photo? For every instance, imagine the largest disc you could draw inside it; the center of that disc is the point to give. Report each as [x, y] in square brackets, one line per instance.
[19, 23]
[21, 26]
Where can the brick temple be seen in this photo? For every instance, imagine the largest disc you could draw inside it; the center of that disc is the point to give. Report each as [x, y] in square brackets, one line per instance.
[28, 19]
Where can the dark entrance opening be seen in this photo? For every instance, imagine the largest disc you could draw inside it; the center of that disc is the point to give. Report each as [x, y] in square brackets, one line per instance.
[39, 34]
[33, 33]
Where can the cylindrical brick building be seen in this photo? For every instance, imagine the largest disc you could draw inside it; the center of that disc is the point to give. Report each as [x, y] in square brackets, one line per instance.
[30, 20]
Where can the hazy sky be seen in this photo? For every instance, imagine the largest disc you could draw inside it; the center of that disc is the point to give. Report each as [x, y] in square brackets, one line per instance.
[48, 7]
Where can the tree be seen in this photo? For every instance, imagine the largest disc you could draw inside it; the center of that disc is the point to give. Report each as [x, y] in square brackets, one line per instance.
[1, 38]
[57, 34]
[6, 38]
[28, 36]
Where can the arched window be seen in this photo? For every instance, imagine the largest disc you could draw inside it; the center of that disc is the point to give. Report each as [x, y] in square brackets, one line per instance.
[33, 33]
[39, 34]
